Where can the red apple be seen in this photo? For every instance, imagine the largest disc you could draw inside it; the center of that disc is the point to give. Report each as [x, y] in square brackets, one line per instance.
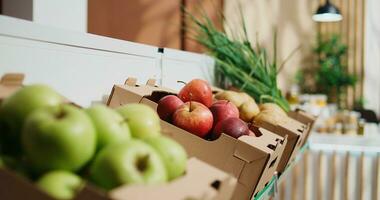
[193, 117]
[233, 127]
[223, 109]
[167, 106]
[197, 90]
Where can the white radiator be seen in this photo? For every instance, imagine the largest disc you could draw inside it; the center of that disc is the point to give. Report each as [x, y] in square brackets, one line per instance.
[335, 167]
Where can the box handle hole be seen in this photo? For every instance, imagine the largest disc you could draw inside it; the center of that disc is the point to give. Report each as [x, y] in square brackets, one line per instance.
[216, 184]
[272, 163]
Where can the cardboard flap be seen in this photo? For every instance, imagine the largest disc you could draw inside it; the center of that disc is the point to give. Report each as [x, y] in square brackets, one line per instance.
[14, 79]
[244, 148]
[151, 82]
[9, 83]
[302, 116]
[293, 126]
[130, 81]
[201, 181]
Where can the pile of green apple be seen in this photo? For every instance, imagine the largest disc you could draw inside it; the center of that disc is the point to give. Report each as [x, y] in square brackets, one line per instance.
[195, 110]
[59, 145]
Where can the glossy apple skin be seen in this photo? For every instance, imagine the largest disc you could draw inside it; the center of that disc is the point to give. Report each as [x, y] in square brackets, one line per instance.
[223, 109]
[197, 90]
[109, 125]
[143, 121]
[60, 184]
[16, 108]
[172, 153]
[61, 137]
[233, 127]
[118, 164]
[196, 119]
[167, 106]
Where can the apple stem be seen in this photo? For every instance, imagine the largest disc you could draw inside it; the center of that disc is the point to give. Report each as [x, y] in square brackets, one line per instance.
[61, 114]
[191, 99]
[124, 121]
[182, 82]
[141, 163]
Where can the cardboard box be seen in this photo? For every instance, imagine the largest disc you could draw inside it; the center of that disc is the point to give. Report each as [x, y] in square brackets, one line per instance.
[201, 181]
[305, 118]
[294, 131]
[252, 160]
[9, 83]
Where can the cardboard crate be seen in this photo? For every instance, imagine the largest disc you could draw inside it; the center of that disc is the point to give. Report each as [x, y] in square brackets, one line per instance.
[294, 131]
[201, 181]
[9, 83]
[252, 160]
[305, 118]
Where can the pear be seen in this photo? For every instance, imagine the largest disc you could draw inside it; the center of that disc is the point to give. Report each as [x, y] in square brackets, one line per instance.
[270, 117]
[245, 97]
[231, 96]
[245, 103]
[248, 110]
[272, 107]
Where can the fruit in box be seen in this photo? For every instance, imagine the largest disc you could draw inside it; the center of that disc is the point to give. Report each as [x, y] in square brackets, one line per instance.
[223, 109]
[167, 106]
[270, 113]
[15, 109]
[132, 162]
[247, 106]
[197, 90]
[60, 184]
[272, 107]
[143, 121]
[59, 137]
[194, 117]
[109, 125]
[233, 127]
[173, 155]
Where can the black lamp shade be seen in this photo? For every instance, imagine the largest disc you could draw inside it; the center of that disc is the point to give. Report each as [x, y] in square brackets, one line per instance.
[327, 13]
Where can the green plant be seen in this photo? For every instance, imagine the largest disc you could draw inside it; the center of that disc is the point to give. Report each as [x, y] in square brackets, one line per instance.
[245, 67]
[332, 76]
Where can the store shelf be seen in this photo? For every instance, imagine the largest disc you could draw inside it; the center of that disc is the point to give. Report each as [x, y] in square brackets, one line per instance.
[271, 191]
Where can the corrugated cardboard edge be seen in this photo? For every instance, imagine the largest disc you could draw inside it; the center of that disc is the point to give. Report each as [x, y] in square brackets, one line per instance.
[201, 181]
[293, 129]
[305, 118]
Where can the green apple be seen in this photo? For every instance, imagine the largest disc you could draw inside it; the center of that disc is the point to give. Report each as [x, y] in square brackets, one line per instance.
[15, 109]
[143, 121]
[60, 184]
[60, 137]
[110, 126]
[132, 162]
[172, 153]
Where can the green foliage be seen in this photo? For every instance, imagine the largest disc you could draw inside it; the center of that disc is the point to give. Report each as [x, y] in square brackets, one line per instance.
[332, 74]
[245, 67]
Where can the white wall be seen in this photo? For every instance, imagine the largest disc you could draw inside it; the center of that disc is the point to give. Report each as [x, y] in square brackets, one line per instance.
[372, 56]
[68, 14]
